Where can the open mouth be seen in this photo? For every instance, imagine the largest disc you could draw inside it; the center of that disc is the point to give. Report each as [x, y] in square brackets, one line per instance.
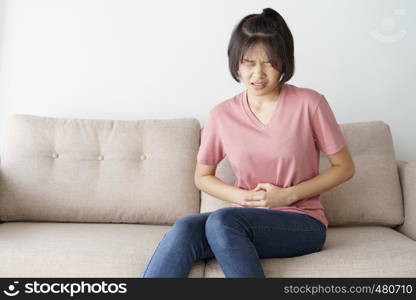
[258, 85]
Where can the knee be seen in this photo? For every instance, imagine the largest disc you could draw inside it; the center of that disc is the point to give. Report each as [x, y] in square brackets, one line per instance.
[219, 220]
[186, 227]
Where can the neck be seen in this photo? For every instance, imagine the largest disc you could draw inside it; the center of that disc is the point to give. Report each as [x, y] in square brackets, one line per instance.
[267, 99]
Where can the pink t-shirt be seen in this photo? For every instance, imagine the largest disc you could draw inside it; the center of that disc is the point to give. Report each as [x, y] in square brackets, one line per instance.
[285, 152]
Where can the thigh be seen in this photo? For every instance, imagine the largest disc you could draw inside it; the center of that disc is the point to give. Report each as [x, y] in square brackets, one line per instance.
[277, 233]
[190, 227]
[196, 220]
[190, 231]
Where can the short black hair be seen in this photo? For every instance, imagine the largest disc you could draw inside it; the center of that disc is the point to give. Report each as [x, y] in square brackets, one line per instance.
[270, 30]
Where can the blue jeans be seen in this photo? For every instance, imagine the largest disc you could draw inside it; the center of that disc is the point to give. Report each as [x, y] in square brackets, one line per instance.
[237, 237]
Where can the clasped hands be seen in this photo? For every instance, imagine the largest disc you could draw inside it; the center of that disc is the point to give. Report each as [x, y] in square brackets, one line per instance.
[265, 195]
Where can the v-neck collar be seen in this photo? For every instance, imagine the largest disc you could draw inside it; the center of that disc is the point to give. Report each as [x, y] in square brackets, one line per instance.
[277, 108]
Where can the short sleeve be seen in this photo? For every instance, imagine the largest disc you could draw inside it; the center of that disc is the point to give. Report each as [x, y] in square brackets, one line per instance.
[326, 131]
[211, 150]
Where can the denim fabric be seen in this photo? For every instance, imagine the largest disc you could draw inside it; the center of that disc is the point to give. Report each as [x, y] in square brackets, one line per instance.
[237, 237]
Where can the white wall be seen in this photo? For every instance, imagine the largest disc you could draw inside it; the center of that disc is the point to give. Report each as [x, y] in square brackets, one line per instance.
[131, 60]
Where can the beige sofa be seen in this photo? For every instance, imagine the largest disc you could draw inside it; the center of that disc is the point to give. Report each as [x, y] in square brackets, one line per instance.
[92, 198]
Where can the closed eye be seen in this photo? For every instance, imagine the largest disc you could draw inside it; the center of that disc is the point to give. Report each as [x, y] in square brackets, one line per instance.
[252, 62]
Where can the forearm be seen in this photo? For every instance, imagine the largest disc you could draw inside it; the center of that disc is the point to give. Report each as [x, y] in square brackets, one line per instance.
[326, 180]
[215, 187]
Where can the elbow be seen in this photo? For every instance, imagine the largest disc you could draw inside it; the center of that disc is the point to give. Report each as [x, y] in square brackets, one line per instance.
[347, 172]
[351, 172]
[197, 182]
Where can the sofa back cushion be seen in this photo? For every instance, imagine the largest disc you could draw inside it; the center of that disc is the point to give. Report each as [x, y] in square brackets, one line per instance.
[371, 197]
[98, 170]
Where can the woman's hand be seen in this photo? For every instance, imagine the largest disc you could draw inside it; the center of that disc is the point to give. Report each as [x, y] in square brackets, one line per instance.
[265, 195]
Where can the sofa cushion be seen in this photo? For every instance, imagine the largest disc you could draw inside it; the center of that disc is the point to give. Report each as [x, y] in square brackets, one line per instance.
[371, 197]
[354, 251]
[407, 172]
[78, 170]
[47, 249]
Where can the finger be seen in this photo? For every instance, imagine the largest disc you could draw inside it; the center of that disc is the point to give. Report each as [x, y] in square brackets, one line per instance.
[257, 204]
[260, 195]
[248, 197]
[258, 187]
[255, 197]
[248, 201]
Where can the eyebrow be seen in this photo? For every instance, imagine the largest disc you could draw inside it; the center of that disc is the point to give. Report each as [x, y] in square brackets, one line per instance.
[249, 60]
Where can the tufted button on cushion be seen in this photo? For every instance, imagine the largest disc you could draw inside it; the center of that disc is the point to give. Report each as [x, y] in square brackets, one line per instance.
[143, 157]
[100, 157]
[55, 155]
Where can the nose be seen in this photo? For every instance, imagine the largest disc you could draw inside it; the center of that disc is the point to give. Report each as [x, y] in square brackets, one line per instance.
[258, 71]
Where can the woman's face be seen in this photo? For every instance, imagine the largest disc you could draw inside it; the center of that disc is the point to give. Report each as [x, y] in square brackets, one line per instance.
[256, 68]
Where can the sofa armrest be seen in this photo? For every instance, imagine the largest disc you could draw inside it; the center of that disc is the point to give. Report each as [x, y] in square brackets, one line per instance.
[407, 173]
